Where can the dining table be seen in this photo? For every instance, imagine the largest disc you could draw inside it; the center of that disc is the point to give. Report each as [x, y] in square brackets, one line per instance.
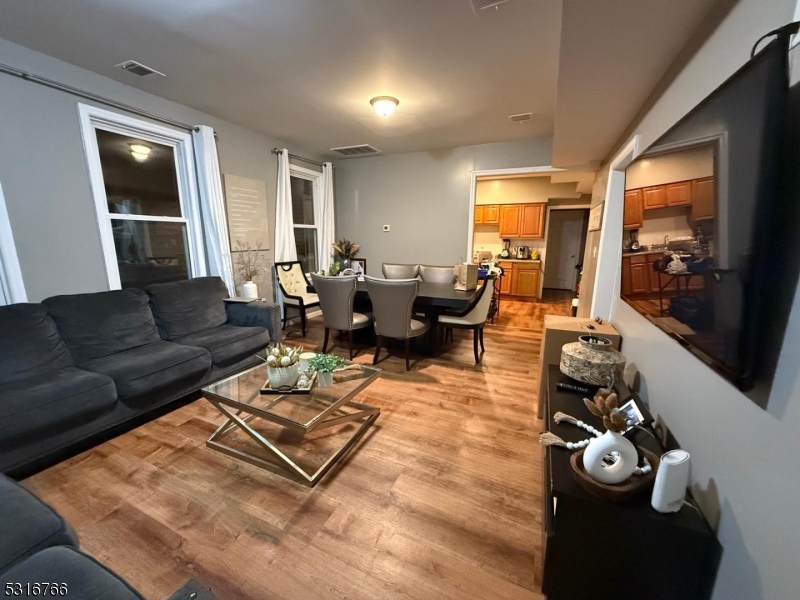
[432, 300]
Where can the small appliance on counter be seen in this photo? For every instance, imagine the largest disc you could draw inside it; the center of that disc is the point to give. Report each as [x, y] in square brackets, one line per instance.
[523, 252]
[506, 251]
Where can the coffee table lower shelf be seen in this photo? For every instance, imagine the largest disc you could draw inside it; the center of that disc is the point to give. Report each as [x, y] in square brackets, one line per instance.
[285, 466]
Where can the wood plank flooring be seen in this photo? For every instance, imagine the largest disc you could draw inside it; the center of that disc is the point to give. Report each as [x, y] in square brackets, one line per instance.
[440, 500]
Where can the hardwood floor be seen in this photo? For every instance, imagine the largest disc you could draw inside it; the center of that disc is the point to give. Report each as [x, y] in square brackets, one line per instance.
[440, 500]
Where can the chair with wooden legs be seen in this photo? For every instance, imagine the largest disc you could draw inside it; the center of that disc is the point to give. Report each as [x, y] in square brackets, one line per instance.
[336, 296]
[392, 306]
[474, 319]
[293, 284]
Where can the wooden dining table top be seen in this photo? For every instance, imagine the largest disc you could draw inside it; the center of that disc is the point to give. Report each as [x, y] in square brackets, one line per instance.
[441, 295]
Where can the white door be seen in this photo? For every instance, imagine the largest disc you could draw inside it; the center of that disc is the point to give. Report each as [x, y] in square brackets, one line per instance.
[564, 241]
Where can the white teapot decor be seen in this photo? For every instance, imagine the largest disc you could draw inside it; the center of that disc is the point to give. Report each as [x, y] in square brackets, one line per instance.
[610, 458]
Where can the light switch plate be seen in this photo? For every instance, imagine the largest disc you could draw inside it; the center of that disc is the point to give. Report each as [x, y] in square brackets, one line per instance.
[386, 228]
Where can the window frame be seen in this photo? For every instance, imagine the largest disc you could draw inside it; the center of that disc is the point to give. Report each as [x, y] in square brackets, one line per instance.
[315, 177]
[93, 118]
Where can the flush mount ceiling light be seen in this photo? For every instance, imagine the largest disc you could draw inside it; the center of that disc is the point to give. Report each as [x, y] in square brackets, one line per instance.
[140, 152]
[384, 105]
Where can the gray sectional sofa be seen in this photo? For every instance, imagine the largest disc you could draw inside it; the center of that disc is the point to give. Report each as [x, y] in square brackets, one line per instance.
[77, 369]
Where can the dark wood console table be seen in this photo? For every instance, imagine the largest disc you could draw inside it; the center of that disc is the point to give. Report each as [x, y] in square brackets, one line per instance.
[621, 551]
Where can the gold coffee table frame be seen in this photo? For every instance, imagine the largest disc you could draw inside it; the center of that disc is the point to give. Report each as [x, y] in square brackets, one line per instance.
[235, 396]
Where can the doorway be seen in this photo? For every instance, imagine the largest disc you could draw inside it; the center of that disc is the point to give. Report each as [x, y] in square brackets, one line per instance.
[566, 240]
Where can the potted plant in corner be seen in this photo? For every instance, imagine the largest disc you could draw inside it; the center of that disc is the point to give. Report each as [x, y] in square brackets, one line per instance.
[344, 251]
[282, 367]
[325, 365]
[248, 265]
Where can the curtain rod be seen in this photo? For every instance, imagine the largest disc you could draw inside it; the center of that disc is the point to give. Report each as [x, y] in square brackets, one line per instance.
[311, 162]
[94, 97]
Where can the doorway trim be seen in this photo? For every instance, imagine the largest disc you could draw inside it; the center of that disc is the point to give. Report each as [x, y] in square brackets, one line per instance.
[12, 286]
[547, 233]
[489, 173]
[91, 118]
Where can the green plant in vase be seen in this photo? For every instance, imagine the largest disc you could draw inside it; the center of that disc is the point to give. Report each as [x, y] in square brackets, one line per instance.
[325, 365]
[344, 252]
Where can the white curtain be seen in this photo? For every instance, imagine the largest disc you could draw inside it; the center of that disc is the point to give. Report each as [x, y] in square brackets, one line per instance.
[212, 206]
[326, 219]
[284, 222]
[12, 288]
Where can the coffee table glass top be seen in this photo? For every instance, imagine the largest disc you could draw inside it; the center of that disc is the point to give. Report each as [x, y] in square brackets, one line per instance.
[298, 411]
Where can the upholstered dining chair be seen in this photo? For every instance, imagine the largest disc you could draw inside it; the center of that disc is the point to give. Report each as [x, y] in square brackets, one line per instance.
[437, 274]
[392, 303]
[394, 271]
[336, 299]
[475, 318]
[293, 284]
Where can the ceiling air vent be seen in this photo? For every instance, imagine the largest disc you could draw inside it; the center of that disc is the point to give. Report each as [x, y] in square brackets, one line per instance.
[479, 5]
[137, 68]
[360, 150]
[520, 117]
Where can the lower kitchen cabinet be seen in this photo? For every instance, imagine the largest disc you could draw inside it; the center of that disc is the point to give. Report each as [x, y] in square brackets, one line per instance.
[521, 279]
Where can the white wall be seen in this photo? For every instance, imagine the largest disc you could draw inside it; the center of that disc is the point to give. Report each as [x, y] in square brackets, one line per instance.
[44, 175]
[422, 196]
[745, 470]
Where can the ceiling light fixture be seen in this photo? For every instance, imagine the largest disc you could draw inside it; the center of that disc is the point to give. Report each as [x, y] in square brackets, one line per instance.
[140, 152]
[384, 105]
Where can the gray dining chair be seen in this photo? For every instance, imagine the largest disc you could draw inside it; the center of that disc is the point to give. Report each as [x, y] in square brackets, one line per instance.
[396, 271]
[392, 304]
[433, 274]
[474, 319]
[336, 296]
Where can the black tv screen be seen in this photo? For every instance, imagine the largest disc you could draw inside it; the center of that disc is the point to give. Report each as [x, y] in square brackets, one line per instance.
[702, 207]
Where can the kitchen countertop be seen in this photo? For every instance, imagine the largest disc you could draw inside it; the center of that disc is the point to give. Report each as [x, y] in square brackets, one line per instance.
[522, 260]
[643, 252]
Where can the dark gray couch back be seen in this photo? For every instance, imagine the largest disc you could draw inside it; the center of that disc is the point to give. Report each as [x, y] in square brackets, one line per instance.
[29, 343]
[105, 323]
[186, 307]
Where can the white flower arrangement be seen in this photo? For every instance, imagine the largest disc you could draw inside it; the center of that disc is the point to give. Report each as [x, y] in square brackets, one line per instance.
[281, 356]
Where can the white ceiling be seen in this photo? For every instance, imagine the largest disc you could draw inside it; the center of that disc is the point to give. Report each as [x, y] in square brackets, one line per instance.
[304, 70]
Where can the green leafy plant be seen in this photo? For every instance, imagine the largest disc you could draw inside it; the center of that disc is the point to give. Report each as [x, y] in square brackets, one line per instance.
[326, 363]
[280, 355]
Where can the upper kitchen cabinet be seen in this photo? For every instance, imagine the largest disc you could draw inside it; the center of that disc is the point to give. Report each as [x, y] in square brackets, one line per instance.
[522, 221]
[479, 212]
[487, 214]
[703, 199]
[633, 216]
[654, 197]
[679, 194]
[510, 220]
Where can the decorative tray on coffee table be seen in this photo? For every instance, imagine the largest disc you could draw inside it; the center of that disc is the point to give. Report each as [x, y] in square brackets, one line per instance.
[268, 389]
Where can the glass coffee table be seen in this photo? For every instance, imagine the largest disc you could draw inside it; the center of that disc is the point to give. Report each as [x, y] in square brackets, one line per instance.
[280, 429]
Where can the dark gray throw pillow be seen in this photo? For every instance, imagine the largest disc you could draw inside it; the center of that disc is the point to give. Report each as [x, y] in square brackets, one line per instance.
[185, 307]
[105, 323]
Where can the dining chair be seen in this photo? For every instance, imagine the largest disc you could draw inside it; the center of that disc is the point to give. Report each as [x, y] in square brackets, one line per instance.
[397, 271]
[336, 296]
[433, 274]
[293, 283]
[392, 304]
[475, 318]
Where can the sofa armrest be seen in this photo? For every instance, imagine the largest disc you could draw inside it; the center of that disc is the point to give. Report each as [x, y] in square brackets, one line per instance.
[256, 313]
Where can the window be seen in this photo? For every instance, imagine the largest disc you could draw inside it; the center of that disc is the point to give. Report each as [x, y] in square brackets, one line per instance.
[305, 191]
[146, 200]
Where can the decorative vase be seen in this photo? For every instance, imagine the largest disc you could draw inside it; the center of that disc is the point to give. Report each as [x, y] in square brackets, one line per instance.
[619, 467]
[250, 290]
[324, 379]
[346, 263]
[281, 376]
[592, 360]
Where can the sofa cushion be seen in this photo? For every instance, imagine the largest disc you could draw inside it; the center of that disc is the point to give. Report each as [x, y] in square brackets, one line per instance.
[185, 307]
[141, 370]
[28, 524]
[228, 343]
[52, 401]
[80, 575]
[29, 343]
[95, 325]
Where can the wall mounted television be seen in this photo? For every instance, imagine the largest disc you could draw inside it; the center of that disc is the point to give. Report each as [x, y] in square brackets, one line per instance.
[703, 205]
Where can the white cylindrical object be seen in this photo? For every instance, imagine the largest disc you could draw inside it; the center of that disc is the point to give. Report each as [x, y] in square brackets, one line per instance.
[672, 478]
[305, 360]
[250, 290]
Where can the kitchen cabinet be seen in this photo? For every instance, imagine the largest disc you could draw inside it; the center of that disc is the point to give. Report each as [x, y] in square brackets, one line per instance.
[522, 221]
[679, 194]
[657, 280]
[505, 280]
[487, 214]
[520, 279]
[625, 288]
[654, 197]
[510, 220]
[633, 216]
[640, 281]
[703, 199]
